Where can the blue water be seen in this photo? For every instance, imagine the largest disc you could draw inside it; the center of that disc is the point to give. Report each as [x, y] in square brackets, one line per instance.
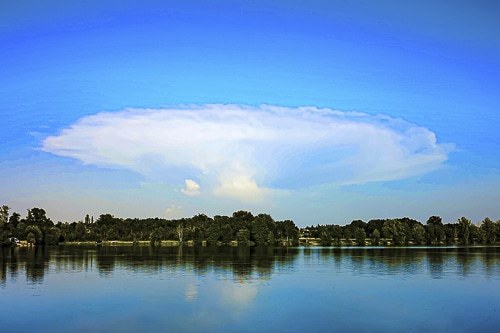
[230, 289]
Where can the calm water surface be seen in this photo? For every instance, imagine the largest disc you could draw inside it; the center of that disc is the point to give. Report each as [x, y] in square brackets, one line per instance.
[231, 289]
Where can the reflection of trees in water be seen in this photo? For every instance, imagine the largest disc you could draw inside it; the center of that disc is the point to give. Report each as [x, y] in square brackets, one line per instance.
[436, 258]
[465, 260]
[262, 261]
[3, 274]
[37, 262]
[3, 267]
[397, 260]
[438, 262]
[472, 258]
[358, 258]
[369, 260]
[491, 260]
[10, 265]
[238, 263]
[285, 257]
[67, 260]
[246, 263]
[34, 261]
[241, 262]
[105, 259]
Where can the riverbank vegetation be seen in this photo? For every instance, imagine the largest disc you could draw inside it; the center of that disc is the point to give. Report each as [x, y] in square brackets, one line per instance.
[241, 227]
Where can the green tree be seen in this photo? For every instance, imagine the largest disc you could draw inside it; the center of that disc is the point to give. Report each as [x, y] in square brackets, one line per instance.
[286, 231]
[477, 234]
[37, 216]
[4, 228]
[106, 227]
[336, 232]
[324, 235]
[451, 231]
[4, 216]
[375, 236]
[418, 234]
[226, 233]
[464, 226]
[241, 219]
[434, 230]
[19, 231]
[489, 229]
[52, 236]
[271, 240]
[80, 231]
[357, 224]
[213, 233]
[243, 236]
[14, 219]
[34, 230]
[360, 236]
[497, 229]
[374, 224]
[30, 238]
[349, 230]
[197, 236]
[347, 233]
[260, 230]
[395, 229]
[156, 236]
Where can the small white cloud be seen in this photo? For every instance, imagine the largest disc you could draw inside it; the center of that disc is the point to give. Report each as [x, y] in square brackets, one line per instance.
[192, 188]
[174, 212]
[245, 152]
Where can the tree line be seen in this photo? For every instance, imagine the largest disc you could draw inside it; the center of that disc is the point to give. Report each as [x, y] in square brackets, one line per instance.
[407, 231]
[242, 227]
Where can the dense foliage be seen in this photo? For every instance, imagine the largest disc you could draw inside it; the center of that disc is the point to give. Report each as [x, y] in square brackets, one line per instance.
[244, 228]
[406, 231]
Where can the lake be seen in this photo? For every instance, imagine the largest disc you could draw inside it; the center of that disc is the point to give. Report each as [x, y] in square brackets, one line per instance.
[243, 289]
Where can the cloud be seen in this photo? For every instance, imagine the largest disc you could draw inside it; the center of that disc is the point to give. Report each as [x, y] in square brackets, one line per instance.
[174, 211]
[246, 153]
[238, 182]
[192, 188]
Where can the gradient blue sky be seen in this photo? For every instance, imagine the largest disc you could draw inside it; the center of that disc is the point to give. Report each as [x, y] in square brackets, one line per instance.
[315, 111]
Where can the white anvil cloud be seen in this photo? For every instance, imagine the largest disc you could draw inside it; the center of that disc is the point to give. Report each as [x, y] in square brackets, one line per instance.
[244, 152]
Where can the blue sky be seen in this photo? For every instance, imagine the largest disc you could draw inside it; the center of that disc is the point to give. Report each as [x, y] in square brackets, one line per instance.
[315, 111]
